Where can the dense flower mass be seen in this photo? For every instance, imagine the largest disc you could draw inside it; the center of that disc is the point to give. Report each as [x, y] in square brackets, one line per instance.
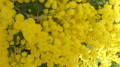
[68, 33]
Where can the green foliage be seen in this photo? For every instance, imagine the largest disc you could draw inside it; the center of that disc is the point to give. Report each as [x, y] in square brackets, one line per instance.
[97, 3]
[36, 8]
[114, 64]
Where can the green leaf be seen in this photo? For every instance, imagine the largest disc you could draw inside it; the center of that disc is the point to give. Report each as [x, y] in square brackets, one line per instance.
[10, 49]
[36, 8]
[97, 3]
[23, 8]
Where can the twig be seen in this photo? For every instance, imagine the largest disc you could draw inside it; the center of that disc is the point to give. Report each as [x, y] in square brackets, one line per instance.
[38, 13]
[38, 17]
[29, 15]
[66, 20]
[43, 16]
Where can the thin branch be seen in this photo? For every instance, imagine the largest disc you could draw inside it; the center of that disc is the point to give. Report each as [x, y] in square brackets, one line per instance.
[15, 51]
[66, 20]
[38, 13]
[38, 17]
[43, 16]
[29, 15]
[16, 9]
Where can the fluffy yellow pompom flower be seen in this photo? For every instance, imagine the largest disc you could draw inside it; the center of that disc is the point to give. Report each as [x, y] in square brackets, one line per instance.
[83, 0]
[29, 10]
[73, 4]
[33, 0]
[41, 1]
[113, 34]
[46, 11]
[112, 2]
[47, 4]
[10, 4]
[78, 0]
[54, 5]
[50, 39]
[27, 1]
[18, 56]
[23, 42]
[66, 25]
[18, 38]
[20, 1]
[60, 14]
[19, 17]
[12, 43]
[71, 12]
[13, 63]
[30, 58]
[23, 60]
[24, 54]
[57, 42]
[50, 1]
[45, 23]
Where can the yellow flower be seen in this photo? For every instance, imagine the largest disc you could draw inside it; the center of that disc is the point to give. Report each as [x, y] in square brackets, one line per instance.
[24, 54]
[78, 0]
[23, 42]
[20, 1]
[66, 25]
[19, 17]
[17, 26]
[54, 5]
[29, 10]
[60, 14]
[57, 42]
[50, 1]
[45, 23]
[50, 64]
[46, 11]
[30, 59]
[52, 11]
[54, 33]
[71, 12]
[83, 0]
[50, 39]
[13, 64]
[27, 1]
[112, 2]
[9, 38]
[23, 60]
[41, 1]
[113, 34]
[18, 57]
[12, 43]
[10, 4]
[18, 38]
[47, 5]
[73, 4]
[33, 0]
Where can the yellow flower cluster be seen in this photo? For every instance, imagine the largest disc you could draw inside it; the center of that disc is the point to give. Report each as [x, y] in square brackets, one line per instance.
[6, 19]
[72, 34]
